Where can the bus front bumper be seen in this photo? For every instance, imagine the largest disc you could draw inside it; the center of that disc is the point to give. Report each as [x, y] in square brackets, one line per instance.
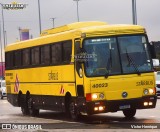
[94, 107]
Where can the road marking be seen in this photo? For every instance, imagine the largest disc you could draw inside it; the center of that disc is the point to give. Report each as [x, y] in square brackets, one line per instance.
[153, 116]
[5, 102]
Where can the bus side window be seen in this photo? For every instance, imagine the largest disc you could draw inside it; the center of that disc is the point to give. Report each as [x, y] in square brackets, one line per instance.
[67, 50]
[45, 54]
[35, 56]
[26, 57]
[53, 54]
[9, 60]
[56, 53]
[17, 58]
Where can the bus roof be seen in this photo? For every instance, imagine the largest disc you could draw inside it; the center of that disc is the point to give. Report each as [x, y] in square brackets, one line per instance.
[90, 29]
[72, 26]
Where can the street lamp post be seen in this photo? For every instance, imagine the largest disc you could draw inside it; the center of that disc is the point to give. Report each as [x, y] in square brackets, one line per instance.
[2, 46]
[53, 20]
[134, 12]
[39, 12]
[77, 10]
[5, 33]
[4, 39]
[1, 52]
[19, 29]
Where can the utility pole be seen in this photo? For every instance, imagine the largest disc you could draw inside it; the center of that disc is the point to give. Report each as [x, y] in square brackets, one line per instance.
[4, 39]
[77, 9]
[31, 36]
[39, 12]
[53, 20]
[19, 33]
[134, 12]
[1, 46]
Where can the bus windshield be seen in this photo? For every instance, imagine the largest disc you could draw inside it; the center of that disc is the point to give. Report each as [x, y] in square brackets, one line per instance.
[104, 57]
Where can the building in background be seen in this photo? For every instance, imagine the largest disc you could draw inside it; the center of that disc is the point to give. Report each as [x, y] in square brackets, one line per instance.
[2, 70]
[24, 34]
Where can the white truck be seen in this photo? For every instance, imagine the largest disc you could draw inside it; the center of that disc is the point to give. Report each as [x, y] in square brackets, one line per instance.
[2, 89]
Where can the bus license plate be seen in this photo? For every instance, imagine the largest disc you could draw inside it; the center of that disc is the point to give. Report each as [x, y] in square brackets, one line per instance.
[122, 107]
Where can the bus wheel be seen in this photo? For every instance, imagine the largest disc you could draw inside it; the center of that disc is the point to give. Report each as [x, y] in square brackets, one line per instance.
[32, 110]
[129, 113]
[24, 107]
[74, 114]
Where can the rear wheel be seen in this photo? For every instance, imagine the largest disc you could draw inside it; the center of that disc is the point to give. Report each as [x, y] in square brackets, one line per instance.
[129, 113]
[32, 110]
[24, 107]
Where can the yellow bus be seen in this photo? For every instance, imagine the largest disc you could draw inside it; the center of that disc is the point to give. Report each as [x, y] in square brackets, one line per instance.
[82, 68]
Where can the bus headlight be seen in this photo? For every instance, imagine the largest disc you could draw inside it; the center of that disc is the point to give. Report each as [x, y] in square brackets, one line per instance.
[101, 96]
[151, 91]
[145, 91]
[94, 96]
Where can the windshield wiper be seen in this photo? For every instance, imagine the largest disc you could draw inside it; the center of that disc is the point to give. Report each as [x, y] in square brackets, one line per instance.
[130, 59]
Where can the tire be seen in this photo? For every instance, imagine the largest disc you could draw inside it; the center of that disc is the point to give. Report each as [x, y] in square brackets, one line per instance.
[129, 113]
[24, 110]
[24, 107]
[32, 111]
[73, 112]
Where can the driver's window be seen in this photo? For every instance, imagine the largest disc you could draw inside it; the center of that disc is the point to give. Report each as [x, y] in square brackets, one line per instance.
[77, 52]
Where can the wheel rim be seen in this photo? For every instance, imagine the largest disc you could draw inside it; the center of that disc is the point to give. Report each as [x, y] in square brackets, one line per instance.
[73, 111]
[32, 110]
[30, 106]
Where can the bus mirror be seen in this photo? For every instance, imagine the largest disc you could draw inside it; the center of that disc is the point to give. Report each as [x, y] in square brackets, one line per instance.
[155, 62]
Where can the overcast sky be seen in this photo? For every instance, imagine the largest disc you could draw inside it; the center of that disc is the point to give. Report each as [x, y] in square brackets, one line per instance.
[110, 11]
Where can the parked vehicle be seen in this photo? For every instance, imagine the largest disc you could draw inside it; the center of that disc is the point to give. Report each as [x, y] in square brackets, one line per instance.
[158, 83]
[3, 89]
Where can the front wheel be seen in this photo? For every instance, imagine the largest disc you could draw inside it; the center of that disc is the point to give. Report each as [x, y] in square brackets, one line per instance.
[129, 113]
[74, 114]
